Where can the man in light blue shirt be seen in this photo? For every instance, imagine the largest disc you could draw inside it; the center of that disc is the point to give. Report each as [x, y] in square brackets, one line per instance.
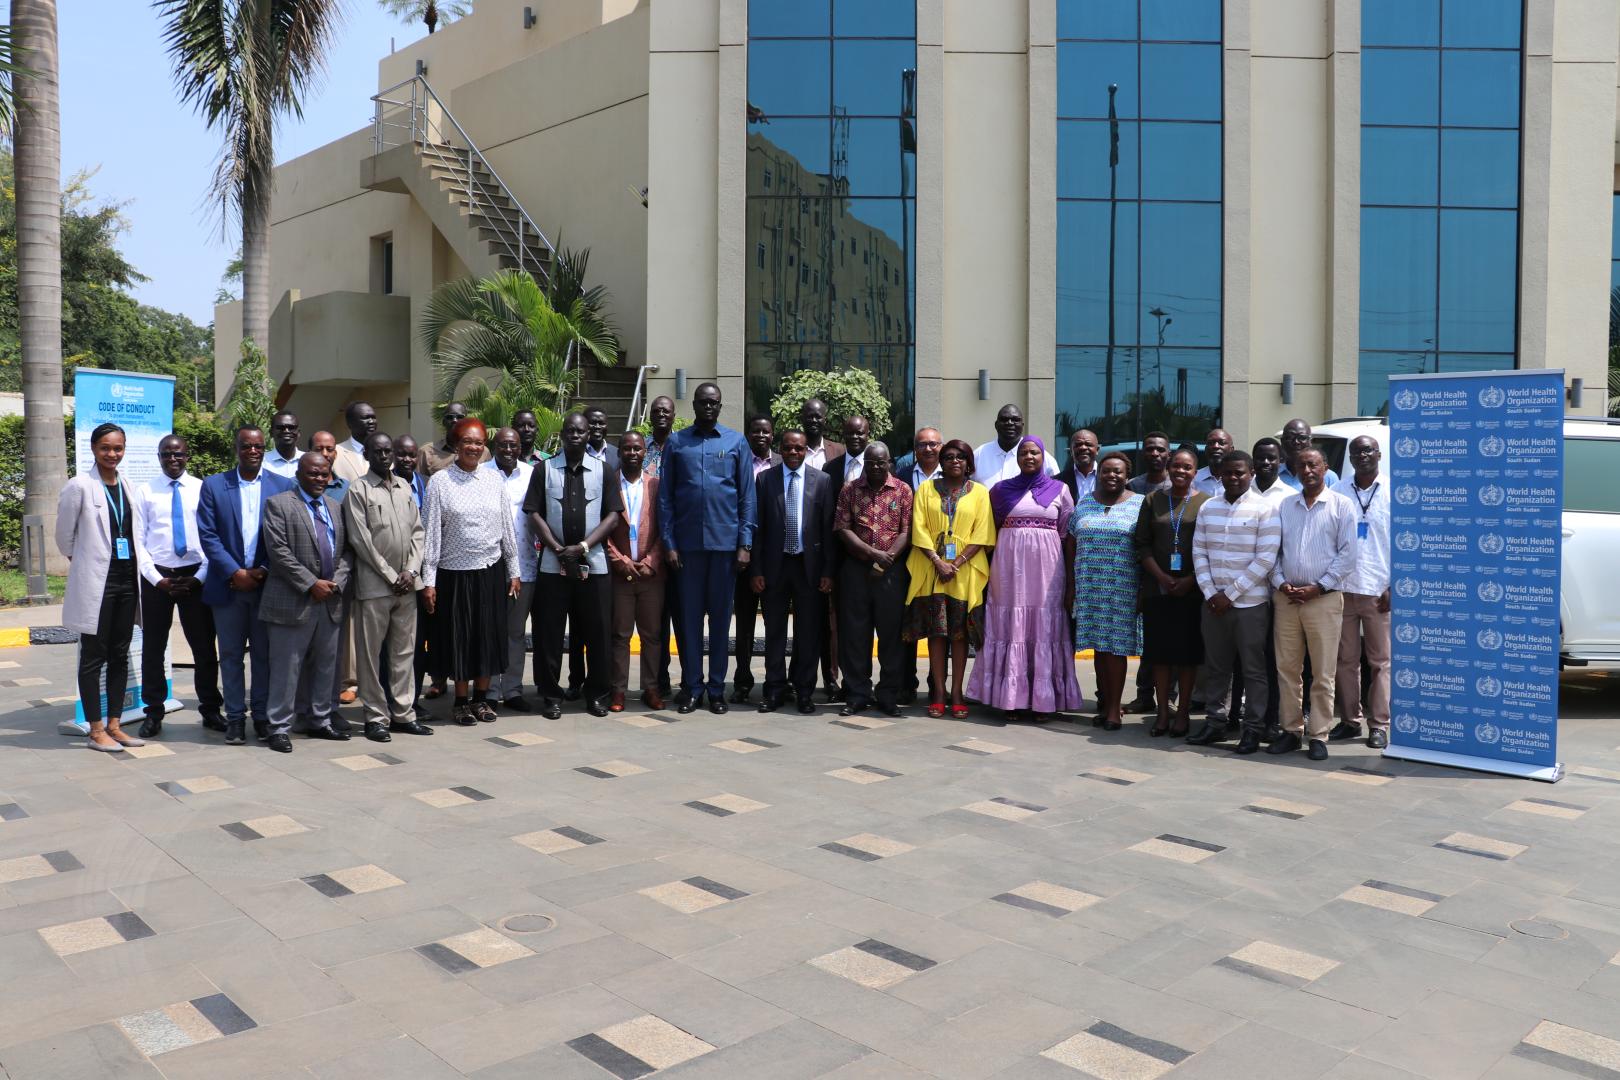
[706, 515]
[1296, 438]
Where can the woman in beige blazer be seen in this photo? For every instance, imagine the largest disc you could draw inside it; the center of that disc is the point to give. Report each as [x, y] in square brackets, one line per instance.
[98, 528]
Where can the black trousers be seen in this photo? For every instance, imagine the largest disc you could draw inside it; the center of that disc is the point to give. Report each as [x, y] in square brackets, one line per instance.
[793, 590]
[671, 619]
[746, 605]
[584, 610]
[869, 604]
[108, 648]
[197, 622]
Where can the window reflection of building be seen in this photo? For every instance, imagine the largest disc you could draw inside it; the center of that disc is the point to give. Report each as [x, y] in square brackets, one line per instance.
[1440, 93]
[1139, 218]
[831, 208]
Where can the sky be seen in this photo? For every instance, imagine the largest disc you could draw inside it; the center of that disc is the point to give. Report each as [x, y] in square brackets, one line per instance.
[120, 114]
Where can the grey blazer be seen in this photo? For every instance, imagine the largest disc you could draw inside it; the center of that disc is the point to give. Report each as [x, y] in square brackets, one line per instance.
[287, 536]
[84, 535]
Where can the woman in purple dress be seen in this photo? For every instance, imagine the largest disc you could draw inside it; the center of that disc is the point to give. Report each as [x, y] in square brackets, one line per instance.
[1026, 664]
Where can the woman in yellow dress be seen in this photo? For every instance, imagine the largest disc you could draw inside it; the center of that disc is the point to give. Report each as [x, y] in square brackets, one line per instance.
[951, 528]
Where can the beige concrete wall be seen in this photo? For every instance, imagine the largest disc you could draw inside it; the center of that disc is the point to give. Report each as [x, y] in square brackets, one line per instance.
[227, 346]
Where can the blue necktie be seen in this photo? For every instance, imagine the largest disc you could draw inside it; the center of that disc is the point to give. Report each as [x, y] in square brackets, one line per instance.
[792, 516]
[177, 518]
[323, 540]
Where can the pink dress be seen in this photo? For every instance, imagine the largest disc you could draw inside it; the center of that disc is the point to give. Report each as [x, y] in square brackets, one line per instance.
[1027, 659]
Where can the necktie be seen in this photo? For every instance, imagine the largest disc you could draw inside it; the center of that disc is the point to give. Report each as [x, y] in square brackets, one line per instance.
[792, 515]
[177, 518]
[323, 541]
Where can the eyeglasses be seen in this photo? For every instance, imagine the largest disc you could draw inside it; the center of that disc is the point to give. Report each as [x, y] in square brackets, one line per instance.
[930, 445]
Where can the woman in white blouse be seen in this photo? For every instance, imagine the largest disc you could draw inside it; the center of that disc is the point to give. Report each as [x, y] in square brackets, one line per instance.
[469, 573]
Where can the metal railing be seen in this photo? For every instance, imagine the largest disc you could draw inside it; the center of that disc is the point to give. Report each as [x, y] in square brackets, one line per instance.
[642, 372]
[411, 112]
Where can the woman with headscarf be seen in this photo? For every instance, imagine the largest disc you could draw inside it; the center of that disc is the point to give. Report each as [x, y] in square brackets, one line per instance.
[469, 572]
[1026, 664]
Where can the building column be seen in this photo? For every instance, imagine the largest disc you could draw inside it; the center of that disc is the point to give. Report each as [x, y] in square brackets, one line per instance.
[929, 387]
[1236, 234]
[731, 204]
[1041, 412]
[1344, 208]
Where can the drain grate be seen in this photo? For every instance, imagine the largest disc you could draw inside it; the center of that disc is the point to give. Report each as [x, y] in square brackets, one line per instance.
[1539, 928]
[528, 924]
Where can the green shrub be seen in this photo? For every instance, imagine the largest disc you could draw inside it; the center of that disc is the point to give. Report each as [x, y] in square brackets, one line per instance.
[851, 392]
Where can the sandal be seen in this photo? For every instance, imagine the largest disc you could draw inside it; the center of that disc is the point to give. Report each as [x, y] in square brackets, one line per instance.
[959, 712]
[464, 715]
[484, 711]
[936, 709]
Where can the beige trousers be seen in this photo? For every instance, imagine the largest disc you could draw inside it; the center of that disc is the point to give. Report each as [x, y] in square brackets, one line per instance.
[389, 620]
[1312, 627]
[1365, 628]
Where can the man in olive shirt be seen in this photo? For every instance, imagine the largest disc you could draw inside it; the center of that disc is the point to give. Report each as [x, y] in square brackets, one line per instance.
[385, 531]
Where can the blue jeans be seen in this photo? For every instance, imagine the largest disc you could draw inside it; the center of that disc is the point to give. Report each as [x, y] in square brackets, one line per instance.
[238, 627]
[707, 581]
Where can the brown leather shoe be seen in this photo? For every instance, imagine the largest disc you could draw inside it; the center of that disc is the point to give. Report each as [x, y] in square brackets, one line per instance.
[618, 702]
[652, 700]
[347, 697]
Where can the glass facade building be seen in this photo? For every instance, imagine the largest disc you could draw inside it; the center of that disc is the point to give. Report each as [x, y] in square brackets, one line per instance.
[1440, 181]
[831, 186]
[1139, 257]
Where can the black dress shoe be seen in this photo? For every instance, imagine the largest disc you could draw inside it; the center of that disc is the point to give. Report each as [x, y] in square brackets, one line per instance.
[1272, 733]
[740, 692]
[1212, 732]
[1286, 743]
[770, 703]
[807, 706]
[377, 732]
[686, 702]
[1318, 750]
[151, 727]
[909, 697]
[889, 710]
[517, 704]
[329, 734]
[281, 744]
[551, 710]
[1141, 704]
[852, 707]
[717, 705]
[597, 708]
[213, 721]
[1233, 726]
[1249, 743]
[261, 730]
[1378, 738]
[836, 694]
[1344, 731]
[341, 725]
[235, 733]
[573, 693]
[410, 727]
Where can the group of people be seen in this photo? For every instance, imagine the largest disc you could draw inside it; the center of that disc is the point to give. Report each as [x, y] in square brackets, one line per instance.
[1256, 584]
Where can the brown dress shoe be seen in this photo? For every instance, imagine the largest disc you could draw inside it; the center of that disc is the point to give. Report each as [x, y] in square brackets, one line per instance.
[652, 700]
[618, 702]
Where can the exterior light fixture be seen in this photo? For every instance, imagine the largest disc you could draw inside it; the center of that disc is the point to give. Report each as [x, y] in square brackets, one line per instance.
[1288, 390]
[1577, 387]
[529, 18]
[680, 384]
[984, 384]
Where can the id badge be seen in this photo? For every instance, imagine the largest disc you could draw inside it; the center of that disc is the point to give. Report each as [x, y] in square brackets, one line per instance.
[1361, 530]
[1175, 562]
[121, 550]
[950, 551]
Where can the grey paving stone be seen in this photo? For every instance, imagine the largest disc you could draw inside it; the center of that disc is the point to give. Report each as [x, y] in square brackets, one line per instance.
[1450, 1035]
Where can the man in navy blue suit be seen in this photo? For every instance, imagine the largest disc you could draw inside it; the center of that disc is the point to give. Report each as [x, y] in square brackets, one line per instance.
[228, 515]
[793, 567]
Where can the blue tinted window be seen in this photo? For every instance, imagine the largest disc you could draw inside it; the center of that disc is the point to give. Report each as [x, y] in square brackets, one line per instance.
[869, 77]
[1176, 81]
[875, 18]
[876, 164]
[1481, 24]
[789, 18]
[1085, 72]
[1480, 168]
[1398, 254]
[1480, 89]
[1114, 19]
[1400, 86]
[1478, 279]
[1181, 272]
[1400, 22]
[1181, 20]
[786, 153]
[1181, 161]
[1084, 156]
[1084, 270]
[789, 78]
[1399, 166]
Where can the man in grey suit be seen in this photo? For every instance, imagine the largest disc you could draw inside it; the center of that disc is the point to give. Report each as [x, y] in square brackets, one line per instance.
[309, 562]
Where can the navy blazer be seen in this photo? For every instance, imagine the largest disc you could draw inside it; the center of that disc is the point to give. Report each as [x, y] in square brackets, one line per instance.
[816, 518]
[219, 528]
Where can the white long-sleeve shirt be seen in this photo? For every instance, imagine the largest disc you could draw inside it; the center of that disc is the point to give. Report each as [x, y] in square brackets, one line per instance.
[157, 546]
[1318, 541]
[1371, 505]
[1235, 548]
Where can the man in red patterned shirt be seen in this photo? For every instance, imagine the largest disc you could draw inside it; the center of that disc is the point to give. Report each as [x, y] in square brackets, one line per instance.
[874, 524]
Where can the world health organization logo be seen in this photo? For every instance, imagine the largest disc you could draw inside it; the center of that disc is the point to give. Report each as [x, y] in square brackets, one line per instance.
[1488, 686]
[1407, 587]
[1406, 399]
[1489, 639]
[1492, 397]
[1408, 495]
[1406, 678]
[1406, 634]
[1489, 591]
[1406, 447]
[1491, 543]
[1492, 446]
[1407, 541]
[1492, 495]
[1487, 733]
[1406, 723]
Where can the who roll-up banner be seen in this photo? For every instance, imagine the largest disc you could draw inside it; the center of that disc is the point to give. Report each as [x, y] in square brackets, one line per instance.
[143, 405]
[1475, 547]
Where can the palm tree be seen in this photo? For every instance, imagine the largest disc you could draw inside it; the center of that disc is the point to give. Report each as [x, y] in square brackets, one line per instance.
[37, 138]
[428, 11]
[242, 64]
[504, 326]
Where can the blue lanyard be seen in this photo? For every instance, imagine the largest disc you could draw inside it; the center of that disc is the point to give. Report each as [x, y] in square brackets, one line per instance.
[1175, 518]
[117, 514]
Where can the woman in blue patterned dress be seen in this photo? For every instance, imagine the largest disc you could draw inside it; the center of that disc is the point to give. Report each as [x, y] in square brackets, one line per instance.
[1101, 549]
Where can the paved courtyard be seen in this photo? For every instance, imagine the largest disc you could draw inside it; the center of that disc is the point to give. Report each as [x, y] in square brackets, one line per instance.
[782, 897]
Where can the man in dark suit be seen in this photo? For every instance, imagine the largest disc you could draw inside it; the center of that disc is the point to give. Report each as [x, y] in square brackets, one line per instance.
[841, 469]
[228, 515]
[760, 433]
[309, 563]
[792, 567]
[813, 422]
[1080, 477]
[596, 443]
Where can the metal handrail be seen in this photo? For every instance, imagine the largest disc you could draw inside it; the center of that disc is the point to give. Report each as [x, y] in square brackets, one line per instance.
[430, 137]
[635, 401]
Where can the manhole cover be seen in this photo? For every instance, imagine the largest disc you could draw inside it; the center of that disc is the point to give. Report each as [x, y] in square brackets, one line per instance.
[1537, 928]
[528, 924]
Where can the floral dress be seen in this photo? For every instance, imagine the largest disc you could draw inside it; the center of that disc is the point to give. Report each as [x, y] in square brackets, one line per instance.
[1105, 575]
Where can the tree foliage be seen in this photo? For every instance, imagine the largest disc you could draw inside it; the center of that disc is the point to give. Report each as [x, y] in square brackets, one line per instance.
[851, 392]
[251, 402]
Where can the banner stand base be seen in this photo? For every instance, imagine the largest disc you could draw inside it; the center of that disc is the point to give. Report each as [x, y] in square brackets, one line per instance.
[1550, 774]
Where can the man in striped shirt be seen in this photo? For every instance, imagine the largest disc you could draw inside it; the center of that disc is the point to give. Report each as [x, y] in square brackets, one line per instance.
[1318, 554]
[1234, 552]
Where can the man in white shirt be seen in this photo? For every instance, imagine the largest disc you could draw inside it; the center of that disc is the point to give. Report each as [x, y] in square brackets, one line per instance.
[1217, 444]
[1318, 553]
[1234, 551]
[813, 422]
[1267, 466]
[170, 560]
[1366, 601]
[282, 458]
[350, 462]
[507, 447]
[997, 459]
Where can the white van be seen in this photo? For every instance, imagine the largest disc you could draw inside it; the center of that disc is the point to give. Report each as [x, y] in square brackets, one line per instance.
[1589, 610]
